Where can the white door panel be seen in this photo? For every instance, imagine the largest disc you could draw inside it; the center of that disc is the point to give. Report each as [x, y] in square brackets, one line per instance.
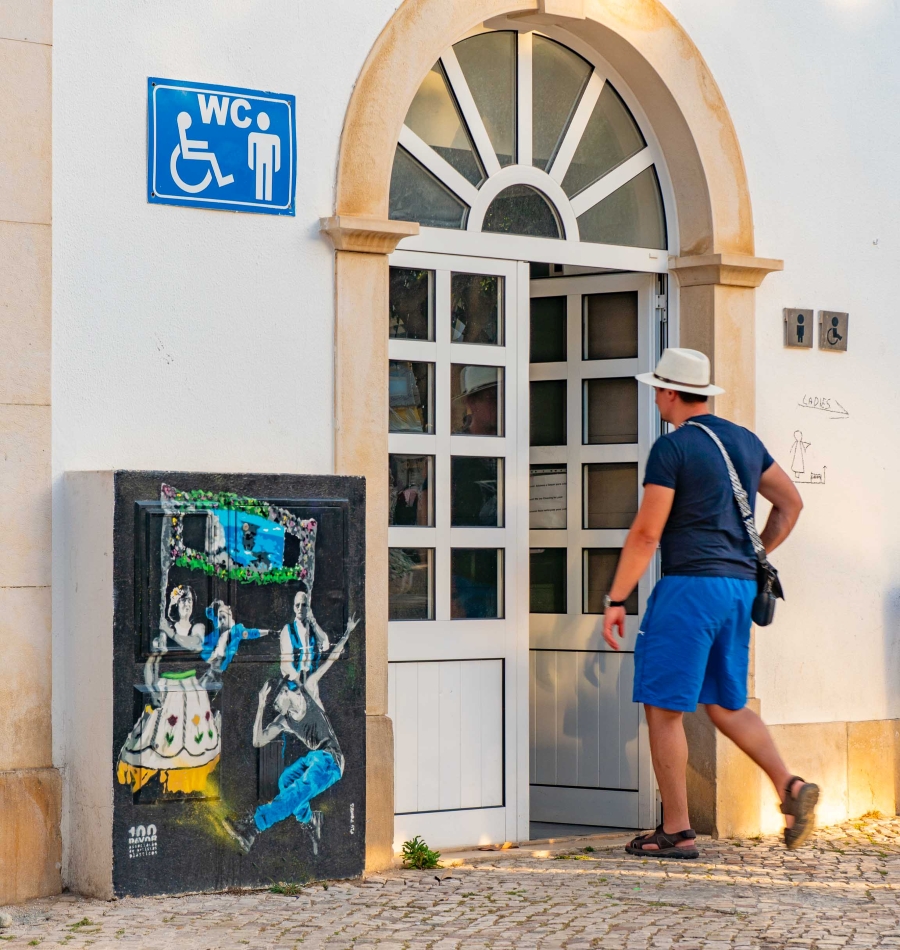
[458, 685]
[589, 755]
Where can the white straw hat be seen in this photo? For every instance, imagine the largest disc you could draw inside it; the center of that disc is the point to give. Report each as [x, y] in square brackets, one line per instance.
[686, 371]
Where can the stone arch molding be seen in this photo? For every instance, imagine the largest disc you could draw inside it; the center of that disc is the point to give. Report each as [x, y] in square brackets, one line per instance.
[640, 39]
[716, 270]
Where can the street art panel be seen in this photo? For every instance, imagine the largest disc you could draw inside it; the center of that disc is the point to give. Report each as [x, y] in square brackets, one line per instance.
[239, 680]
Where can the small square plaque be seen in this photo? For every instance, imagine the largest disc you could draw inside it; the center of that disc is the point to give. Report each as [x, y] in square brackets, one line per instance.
[833, 326]
[798, 328]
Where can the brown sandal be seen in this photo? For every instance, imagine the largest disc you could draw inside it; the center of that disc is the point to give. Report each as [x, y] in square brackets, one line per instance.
[666, 844]
[802, 808]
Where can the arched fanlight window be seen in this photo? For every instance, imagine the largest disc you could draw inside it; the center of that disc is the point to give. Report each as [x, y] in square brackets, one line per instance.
[571, 159]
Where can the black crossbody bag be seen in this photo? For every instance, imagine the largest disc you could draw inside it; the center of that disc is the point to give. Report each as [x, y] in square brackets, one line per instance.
[768, 586]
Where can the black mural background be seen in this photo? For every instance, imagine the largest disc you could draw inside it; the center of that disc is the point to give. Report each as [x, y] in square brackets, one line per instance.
[192, 852]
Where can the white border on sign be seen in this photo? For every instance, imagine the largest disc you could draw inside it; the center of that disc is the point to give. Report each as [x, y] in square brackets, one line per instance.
[224, 201]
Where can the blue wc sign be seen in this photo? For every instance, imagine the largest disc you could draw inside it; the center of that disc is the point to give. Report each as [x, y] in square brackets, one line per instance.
[220, 147]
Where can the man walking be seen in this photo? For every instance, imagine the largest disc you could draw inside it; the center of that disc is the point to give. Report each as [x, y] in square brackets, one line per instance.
[694, 642]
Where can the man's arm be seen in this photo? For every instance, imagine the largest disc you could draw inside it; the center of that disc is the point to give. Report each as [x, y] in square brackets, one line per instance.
[640, 546]
[775, 486]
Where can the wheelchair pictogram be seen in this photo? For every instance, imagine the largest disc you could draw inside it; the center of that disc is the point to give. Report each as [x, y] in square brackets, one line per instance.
[194, 150]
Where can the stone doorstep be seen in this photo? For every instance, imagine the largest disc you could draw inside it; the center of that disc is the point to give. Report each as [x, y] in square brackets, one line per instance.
[540, 848]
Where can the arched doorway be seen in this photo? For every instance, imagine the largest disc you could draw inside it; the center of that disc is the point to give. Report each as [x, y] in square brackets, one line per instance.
[659, 77]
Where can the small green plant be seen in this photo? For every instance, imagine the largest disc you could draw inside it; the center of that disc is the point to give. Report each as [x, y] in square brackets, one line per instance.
[84, 922]
[289, 890]
[589, 849]
[417, 854]
[872, 814]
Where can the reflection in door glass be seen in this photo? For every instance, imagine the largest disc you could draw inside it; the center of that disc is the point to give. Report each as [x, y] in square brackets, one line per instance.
[548, 497]
[548, 581]
[476, 491]
[476, 309]
[611, 410]
[476, 397]
[476, 583]
[611, 326]
[411, 387]
[558, 78]
[548, 412]
[599, 569]
[610, 494]
[411, 481]
[412, 304]
[411, 584]
[548, 330]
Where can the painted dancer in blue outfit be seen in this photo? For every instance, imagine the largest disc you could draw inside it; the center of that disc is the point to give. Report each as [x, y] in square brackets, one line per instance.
[694, 642]
[222, 643]
[303, 642]
[300, 713]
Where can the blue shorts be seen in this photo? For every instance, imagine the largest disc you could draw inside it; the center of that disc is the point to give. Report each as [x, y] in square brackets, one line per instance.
[694, 643]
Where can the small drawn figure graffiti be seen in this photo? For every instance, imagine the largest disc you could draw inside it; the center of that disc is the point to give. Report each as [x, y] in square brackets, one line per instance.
[177, 738]
[303, 642]
[180, 627]
[798, 454]
[299, 712]
[222, 643]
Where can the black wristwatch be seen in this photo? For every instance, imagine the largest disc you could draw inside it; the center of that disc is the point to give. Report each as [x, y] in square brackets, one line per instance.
[611, 603]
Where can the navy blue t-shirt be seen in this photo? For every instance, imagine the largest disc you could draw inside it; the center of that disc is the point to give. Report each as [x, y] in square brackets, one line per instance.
[704, 534]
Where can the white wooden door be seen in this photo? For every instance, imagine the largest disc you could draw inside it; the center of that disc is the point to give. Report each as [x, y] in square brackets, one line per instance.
[592, 427]
[458, 648]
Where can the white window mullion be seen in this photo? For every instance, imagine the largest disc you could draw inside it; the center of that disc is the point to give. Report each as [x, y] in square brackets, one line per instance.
[442, 444]
[438, 166]
[523, 99]
[470, 112]
[612, 181]
[576, 127]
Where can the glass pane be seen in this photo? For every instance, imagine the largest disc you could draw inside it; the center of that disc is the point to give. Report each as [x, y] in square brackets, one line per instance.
[411, 388]
[599, 569]
[476, 492]
[434, 117]
[411, 478]
[476, 400]
[411, 584]
[488, 62]
[548, 497]
[476, 308]
[611, 407]
[558, 77]
[632, 216]
[476, 583]
[611, 326]
[412, 304]
[610, 137]
[548, 581]
[548, 412]
[416, 195]
[521, 209]
[610, 494]
[548, 329]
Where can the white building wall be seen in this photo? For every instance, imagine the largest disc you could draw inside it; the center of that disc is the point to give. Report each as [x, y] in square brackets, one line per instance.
[813, 90]
[183, 338]
[203, 340]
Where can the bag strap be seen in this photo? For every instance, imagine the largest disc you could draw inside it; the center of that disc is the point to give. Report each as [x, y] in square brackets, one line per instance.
[740, 496]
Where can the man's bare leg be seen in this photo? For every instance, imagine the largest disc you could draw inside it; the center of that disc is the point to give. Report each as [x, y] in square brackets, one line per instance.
[749, 733]
[669, 751]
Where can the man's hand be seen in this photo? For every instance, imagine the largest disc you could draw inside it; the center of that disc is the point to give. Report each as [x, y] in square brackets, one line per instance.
[613, 619]
[264, 695]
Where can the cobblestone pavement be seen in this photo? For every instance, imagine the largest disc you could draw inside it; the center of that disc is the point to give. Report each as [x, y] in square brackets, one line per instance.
[841, 891]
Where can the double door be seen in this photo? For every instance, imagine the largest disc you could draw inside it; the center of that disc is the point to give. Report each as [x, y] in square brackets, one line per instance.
[592, 425]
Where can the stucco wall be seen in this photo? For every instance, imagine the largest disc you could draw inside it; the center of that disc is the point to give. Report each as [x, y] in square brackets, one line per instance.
[194, 339]
[811, 89]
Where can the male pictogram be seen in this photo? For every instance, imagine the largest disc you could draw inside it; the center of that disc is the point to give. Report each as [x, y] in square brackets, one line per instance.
[263, 152]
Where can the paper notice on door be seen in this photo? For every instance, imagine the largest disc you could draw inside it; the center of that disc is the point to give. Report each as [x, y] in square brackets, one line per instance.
[548, 497]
